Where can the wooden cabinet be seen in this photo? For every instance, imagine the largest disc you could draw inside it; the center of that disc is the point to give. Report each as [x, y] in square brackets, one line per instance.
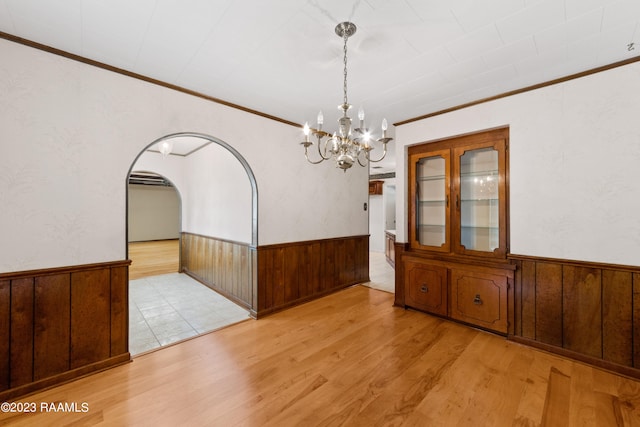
[480, 298]
[455, 264]
[458, 195]
[426, 286]
[390, 247]
[375, 187]
[478, 295]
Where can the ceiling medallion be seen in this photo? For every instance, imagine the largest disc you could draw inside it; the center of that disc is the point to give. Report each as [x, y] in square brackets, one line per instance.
[345, 146]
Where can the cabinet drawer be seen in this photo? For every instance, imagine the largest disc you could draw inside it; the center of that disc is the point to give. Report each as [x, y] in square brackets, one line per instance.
[480, 299]
[426, 287]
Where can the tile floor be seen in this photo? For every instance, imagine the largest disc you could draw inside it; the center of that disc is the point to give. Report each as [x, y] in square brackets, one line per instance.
[382, 275]
[172, 307]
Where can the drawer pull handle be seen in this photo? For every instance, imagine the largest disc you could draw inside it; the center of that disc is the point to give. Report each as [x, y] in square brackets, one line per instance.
[424, 289]
[477, 300]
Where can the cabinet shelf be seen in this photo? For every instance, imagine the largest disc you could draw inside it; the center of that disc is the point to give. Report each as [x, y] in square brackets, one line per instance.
[492, 199]
[482, 173]
[431, 178]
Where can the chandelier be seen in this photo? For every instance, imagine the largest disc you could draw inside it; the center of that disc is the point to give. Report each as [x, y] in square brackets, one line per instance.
[346, 146]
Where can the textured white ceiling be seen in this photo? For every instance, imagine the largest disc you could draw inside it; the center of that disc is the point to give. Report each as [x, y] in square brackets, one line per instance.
[281, 57]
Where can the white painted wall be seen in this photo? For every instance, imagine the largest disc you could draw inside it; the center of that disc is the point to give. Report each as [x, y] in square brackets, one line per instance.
[215, 190]
[574, 165]
[382, 215]
[219, 195]
[154, 213]
[69, 133]
[376, 223]
[389, 193]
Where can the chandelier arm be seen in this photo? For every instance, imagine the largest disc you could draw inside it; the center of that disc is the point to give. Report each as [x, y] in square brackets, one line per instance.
[359, 162]
[306, 156]
[384, 153]
[324, 156]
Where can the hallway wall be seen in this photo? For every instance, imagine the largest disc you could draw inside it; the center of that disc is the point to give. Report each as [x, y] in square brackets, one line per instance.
[154, 213]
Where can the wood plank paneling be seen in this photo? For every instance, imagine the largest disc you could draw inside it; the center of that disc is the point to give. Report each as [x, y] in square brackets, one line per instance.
[304, 267]
[617, 317]
[90, 317]
[291, 279]
[548, 293]
[292, 273]
[314, 273]
[599, 307]
[222, 265]
[51, 325]
[242, 273]
[528, 300]
[119, 311]
[41, 310]
[329, 257]
[5, 331]
[21, 341]
[277, 277]
[264, 299]
[636, 320]
[582, 310]
[286, 274]
[399, 299]
[362, 259]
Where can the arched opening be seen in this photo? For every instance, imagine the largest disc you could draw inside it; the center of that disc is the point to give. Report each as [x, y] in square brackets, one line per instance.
[217, 235]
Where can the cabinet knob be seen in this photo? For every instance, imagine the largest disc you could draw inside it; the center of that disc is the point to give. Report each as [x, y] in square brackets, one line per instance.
[424, 289]
[477, 300]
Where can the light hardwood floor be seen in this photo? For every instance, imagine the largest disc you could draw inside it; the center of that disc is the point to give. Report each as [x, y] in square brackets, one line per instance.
[153, 258]
[350, 359]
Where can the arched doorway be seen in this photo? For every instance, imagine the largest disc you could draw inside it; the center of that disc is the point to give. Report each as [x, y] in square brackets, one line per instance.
[218, 229]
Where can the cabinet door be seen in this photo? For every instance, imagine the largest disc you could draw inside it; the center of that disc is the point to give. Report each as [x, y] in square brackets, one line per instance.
[479, 299]
[426, 287]
[429, 188]
[480, 199]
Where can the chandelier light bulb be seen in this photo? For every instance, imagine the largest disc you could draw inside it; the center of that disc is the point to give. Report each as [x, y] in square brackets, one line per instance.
[306, 131]
[366, 137]
[384, 128]
[320, 120]
[361, 113]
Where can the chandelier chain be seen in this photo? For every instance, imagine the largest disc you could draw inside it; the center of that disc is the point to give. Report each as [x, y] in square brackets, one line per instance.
[345, 69]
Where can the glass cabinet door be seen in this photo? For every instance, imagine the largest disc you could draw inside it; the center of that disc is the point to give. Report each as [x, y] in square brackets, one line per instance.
[478, 199]
[431, 204]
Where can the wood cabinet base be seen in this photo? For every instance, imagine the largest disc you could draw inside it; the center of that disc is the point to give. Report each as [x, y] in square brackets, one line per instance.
[473, 294]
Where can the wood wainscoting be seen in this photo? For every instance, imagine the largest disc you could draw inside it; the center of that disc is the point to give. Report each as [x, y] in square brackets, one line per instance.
[588, 311]
[293, 273]
[61, 323]
[222, 265]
